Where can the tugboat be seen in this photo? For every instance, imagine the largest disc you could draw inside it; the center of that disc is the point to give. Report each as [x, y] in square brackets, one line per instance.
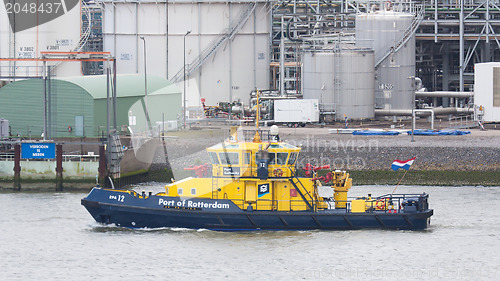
[254, 185]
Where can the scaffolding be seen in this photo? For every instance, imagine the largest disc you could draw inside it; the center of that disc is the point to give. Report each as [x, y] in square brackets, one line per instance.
[451, 36]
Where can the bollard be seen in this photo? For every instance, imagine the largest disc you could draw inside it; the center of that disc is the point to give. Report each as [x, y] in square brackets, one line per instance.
[59, 168]
[17, 166]
[102, 166]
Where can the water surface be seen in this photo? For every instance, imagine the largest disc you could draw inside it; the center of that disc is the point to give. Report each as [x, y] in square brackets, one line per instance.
[50, 236]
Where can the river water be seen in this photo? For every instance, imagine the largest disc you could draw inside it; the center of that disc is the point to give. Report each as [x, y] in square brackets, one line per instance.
[50, 236]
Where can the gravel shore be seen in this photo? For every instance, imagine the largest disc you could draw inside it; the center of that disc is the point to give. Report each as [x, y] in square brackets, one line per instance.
[478, 151]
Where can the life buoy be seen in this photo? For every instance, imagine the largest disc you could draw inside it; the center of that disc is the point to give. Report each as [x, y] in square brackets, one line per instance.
[278, 172]
[388, 5]
[380, 204]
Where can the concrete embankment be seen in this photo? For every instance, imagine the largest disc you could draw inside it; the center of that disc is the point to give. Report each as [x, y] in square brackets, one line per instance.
[80, 165]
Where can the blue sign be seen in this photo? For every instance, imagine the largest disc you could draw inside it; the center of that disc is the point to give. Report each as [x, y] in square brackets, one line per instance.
[263, 189]
[38, 150]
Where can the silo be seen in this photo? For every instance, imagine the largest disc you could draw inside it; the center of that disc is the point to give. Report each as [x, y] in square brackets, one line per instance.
[382, 30]
[343, 81]
[318, 78]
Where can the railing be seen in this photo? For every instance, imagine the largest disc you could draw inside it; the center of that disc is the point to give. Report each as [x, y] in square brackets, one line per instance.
[6, 156]
[270, 204]
[392, 203]
[306, 196]
[463, 122]
[80, 158]
[66, 158]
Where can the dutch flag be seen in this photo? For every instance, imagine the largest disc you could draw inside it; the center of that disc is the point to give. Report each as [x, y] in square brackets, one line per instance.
[397, 164]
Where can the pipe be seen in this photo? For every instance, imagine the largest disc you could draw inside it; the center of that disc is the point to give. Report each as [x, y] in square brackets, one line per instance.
[282, 59]
[447, 94]
[423, 111]
[418, 83]
[437, 111]
[461, 46]
[415, 112]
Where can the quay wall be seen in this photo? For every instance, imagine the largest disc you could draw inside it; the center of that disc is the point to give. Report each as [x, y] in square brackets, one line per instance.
[47, 169]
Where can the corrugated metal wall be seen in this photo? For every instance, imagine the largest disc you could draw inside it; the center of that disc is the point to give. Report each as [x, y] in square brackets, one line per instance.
[22, 104]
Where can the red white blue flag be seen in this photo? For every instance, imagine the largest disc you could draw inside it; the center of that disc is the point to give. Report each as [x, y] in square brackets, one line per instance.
[398, 164]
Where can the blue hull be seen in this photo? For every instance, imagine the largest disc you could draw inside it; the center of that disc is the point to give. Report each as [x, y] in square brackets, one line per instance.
[124, 209]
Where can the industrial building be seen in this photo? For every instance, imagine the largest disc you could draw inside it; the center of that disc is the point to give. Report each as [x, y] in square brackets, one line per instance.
[487, 92]
[77, 105]
[362, 59]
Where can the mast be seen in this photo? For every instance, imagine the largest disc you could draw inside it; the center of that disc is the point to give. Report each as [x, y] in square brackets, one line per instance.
[256, 138]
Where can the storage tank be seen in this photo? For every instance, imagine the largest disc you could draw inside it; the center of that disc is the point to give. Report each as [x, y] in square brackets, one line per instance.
[382, 30]
[230, 69]
[343, 81]
[58, 30]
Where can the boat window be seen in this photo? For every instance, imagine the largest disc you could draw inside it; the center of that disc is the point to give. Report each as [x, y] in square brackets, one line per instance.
[293, 156]
[247, 158]
[193, 191]
[281, 158]
[229, 158]
[232, 146]
[214, 158]
[179, 190]
[272, 159]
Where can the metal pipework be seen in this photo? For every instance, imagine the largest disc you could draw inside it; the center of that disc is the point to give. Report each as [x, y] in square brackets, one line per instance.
[437, 111]
[415, 111]
[423, 112]
[444, 94]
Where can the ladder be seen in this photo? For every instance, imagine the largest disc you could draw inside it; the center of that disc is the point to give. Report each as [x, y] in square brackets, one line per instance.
[308, 199]
[115, 155]
[215, 187]
[227, 34]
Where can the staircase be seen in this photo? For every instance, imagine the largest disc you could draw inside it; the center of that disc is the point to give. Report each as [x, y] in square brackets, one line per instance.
[301, 190]
[86, 28]
[212, 48]
[407, 35]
